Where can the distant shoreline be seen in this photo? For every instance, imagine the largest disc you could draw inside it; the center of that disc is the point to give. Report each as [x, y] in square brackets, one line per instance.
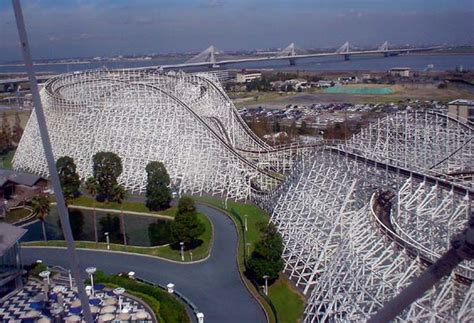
[186, 56]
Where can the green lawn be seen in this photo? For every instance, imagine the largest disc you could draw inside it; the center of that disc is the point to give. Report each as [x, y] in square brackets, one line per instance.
[287, 301]
[16, 215]
[167, 252]
[127, 206]
[6, 159]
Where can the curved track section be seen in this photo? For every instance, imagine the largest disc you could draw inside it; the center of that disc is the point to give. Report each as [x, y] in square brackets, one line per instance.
[347, 250]
[144, 117]
[427, 141]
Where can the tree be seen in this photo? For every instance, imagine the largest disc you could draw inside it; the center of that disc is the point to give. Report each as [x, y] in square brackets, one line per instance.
[41, 208]
[266, 257]
[158, 194]
[92, 188]
[17, 129]
[160, 232]
[68, 177]
[186, 226]
[107, 167]
[5, 135]
[119, 195]
[276, 127]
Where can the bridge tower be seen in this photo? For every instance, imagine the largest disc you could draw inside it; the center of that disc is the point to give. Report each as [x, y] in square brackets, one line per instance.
[345, 48]
[206, 56]
[290, 51]
[384, 48]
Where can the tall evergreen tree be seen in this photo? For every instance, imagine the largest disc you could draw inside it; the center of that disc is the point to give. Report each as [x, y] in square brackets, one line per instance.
[186, 226]
[158, 195]
[68, 177]
[266, 257]
[107, 167]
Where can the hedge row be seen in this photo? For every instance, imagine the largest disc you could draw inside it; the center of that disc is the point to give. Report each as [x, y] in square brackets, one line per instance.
[169, 309]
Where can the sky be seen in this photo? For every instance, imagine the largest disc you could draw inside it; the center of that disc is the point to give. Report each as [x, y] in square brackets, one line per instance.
[89, 28]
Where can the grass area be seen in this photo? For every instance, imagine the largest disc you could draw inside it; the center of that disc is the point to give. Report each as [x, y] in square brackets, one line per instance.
[200, 252]
[6, 159]
[15, 215]
[127, 206]
[287, 300]
[284, 294]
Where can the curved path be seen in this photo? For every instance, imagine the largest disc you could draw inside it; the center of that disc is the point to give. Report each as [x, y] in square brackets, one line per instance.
[214, 285]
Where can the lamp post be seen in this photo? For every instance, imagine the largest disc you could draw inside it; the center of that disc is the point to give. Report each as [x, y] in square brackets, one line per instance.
[248, 248]
[60, 290]
[45, 274]
[70, 279]
[107, 240]
[182, 250]
[245, 222]
[191, 255]
[90, 271]
[119, 291]
[266, 284]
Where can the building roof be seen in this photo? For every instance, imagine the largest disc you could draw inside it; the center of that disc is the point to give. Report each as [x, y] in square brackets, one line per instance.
[17, 177]
[9, 235]
[462, 102]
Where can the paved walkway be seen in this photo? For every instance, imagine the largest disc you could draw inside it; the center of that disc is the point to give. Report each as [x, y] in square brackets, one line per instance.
[214, 285]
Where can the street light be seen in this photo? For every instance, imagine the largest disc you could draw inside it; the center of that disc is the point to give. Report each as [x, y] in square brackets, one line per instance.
[248, 248]
[45, 274]
[266, 284]
[191, 255]
[70, 278]
[246, 227]
[107, 240]
[90, 271]
[182, 250]
[119, 291]
[59, 289]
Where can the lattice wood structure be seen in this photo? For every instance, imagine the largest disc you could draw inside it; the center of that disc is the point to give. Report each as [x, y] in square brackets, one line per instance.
[359, 219]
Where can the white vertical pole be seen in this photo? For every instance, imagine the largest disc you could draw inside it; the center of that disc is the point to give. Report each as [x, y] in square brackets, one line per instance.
[48, 151]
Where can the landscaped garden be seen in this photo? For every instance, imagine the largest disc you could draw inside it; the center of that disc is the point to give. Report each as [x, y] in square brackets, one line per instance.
[107, 220]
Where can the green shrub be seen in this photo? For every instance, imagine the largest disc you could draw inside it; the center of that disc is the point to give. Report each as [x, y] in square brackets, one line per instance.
[170, 310]
[37, 269]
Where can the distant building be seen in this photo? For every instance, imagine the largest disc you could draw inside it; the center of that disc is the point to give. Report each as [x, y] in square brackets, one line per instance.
[11, 271]
[400, 71]
[247, 76]
[222, 75]
[462, 109]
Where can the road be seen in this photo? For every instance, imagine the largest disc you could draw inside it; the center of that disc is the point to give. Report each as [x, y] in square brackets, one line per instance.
[214, 285]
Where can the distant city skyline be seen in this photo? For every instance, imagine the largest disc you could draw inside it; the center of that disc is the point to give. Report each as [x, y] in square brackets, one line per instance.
[85, 28]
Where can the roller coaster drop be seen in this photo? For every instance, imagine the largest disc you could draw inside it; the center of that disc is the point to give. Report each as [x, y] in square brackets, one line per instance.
[360, 219]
